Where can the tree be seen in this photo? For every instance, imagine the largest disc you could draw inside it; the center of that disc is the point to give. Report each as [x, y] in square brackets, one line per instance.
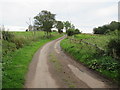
[59, 26]
[107, 28]
[113, 25]
[45, 20]
[71, 32]
[67, 25]
[70, 29]
[77, 31]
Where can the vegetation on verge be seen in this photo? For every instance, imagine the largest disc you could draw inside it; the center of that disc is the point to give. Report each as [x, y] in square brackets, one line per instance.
[15, 40]
[16, 62]
[92, 50]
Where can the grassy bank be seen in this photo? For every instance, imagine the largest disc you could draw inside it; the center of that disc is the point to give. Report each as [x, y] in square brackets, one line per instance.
[15, 63]
[15, 40]
[88, 54]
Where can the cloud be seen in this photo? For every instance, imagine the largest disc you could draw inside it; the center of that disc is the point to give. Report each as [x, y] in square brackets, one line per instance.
[111, 10]
[15, 28]
[84, 14]
[38, 1]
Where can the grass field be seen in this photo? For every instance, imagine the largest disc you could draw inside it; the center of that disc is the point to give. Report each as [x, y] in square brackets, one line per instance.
[15, 63]
[99, 40]
[90, 55]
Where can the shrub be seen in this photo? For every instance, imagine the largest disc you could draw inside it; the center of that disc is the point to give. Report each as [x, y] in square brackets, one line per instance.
[20, 41]
[114, 47]
[70, 32]
[7, 47]
[7, 35]
[77, 31]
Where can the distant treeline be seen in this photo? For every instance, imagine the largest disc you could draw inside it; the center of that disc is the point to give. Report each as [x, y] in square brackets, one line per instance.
[107, 28]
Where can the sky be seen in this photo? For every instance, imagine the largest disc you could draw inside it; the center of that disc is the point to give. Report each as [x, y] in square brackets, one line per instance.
[84, 14]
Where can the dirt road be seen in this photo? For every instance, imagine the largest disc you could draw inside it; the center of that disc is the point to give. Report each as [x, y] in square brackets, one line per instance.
[52, 68]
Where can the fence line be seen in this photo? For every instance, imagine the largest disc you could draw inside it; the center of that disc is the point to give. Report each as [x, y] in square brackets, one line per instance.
[93, 45]
[81, 40]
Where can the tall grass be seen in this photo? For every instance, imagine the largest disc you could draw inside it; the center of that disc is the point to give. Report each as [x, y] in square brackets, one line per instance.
[15, 40]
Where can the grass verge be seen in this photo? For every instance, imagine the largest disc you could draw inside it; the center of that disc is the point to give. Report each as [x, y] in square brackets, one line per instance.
[91, 57]
[15, 64]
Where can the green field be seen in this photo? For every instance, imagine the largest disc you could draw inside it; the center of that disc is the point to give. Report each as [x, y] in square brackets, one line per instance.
[16, 61]
[91, 56]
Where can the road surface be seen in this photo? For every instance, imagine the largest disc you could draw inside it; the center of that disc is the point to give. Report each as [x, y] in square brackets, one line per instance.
[52, 68]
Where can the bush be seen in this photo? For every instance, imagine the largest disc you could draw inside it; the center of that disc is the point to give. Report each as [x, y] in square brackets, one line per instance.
[7, 47]
[70, 32]
[114, 47]
[7, 35]
[77, 31]
[20, 41]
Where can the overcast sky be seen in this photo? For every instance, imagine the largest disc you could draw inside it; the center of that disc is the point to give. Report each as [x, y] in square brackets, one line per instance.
[84, 14]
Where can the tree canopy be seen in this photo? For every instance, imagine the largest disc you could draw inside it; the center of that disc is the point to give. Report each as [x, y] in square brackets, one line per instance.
[70, 29]
[59, 26]
[67, 25]
[45, 20]
[107, 28]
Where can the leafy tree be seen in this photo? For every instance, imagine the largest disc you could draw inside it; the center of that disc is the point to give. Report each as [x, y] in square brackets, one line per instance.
[77, 31]
[70, 29]
[71, 32]
[59, 26]
[113, 25]
[67, 25]
[45, 20]
[107, 28]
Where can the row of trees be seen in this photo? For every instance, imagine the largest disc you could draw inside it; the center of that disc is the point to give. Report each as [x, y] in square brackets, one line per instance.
[45, 21]
[107, 28]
